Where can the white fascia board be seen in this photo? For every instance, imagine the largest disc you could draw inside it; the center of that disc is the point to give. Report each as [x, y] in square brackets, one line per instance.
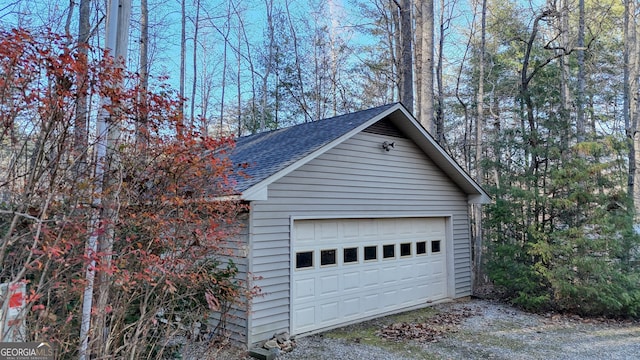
[478, 199]
[260, 189]
[256, 193]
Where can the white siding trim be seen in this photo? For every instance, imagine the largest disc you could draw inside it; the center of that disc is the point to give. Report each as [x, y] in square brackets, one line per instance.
[256, 193]
[434, 214]
[250, 282]
[451, 251]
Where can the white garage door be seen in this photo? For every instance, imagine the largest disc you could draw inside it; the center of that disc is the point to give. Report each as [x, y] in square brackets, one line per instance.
[348, 269]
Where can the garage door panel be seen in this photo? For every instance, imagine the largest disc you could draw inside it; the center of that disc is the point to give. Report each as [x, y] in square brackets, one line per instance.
[305, 232]
[304, 317]
[420, 228]
[438, 267]
[370, 302]
[351, 306]
[437, 290]
[389, 275]
[329, 295]
[350, 230]
[423, 269]
[304, 288]
[367, 229]
[329, 311]
[388, 228]
[327, 231]
[424, 289]
[409, 294]
[351, 281]
[389, 298]
[328, 285]
[370, 278]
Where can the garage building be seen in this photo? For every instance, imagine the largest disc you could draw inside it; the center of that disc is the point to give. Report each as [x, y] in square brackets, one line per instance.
[350, 218]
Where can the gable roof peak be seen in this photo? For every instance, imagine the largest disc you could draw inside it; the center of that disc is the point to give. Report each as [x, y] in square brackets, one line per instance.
[268, 152]
[270, 155]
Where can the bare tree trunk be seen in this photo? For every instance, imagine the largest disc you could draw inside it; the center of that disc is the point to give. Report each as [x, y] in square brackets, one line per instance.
[631, 72]
[580, 103]
[238, 76]
[101, 238]
[224, 68]
[302, 98]
[317, 87]
[426, 96]
[439, 108]
[565, 92]
[67, 24]
[183, 48]
[477, 243]
[141, 131]
[254, 93]
[270, 60]
[395, 41]
[634, 103]
[466, 148]
[418, 57]
[406, 63]
[196, 27]
[334, 52]
[80, 132]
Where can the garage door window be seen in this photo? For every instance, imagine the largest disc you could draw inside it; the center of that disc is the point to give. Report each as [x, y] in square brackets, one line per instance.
[405, 249]
[304, 260]
[370, 253]
[350, 255]
[435, 246]
[328, 257]
[388, 251]
[421, 247]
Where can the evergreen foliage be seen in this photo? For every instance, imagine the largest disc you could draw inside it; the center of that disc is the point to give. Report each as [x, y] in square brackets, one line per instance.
[565, 241]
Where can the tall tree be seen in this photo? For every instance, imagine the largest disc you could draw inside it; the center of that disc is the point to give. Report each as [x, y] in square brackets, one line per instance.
[631, 91]
[141, 130]
[406, 63]
[580, 102]
[565, 71]
[439, 102]
[81, 126]
[426, 91]
[479, 147]
[183, 46]
[196, 30]
[105, 209]
[417, 55]
[270, 61]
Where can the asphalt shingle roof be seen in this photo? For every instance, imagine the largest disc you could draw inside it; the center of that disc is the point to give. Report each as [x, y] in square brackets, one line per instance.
[270, 152]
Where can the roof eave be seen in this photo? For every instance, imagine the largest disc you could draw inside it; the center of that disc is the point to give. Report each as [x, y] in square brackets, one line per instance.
[258, 192]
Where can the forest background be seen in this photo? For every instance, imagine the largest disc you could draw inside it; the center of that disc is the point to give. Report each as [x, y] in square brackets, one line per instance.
[536, 100]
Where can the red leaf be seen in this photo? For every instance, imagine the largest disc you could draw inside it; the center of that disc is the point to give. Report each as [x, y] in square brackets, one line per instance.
[16, 300]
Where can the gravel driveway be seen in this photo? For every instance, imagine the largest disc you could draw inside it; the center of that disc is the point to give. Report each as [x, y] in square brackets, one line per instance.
[476, 329]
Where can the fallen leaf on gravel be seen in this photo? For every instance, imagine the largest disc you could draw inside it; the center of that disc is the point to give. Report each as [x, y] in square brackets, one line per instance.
[430, 331]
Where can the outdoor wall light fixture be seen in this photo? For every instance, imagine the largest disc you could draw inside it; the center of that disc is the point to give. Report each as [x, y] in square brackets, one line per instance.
[388, 146]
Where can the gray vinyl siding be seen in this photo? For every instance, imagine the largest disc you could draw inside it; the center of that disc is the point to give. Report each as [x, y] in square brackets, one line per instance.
[236, 326]
[354, 179]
